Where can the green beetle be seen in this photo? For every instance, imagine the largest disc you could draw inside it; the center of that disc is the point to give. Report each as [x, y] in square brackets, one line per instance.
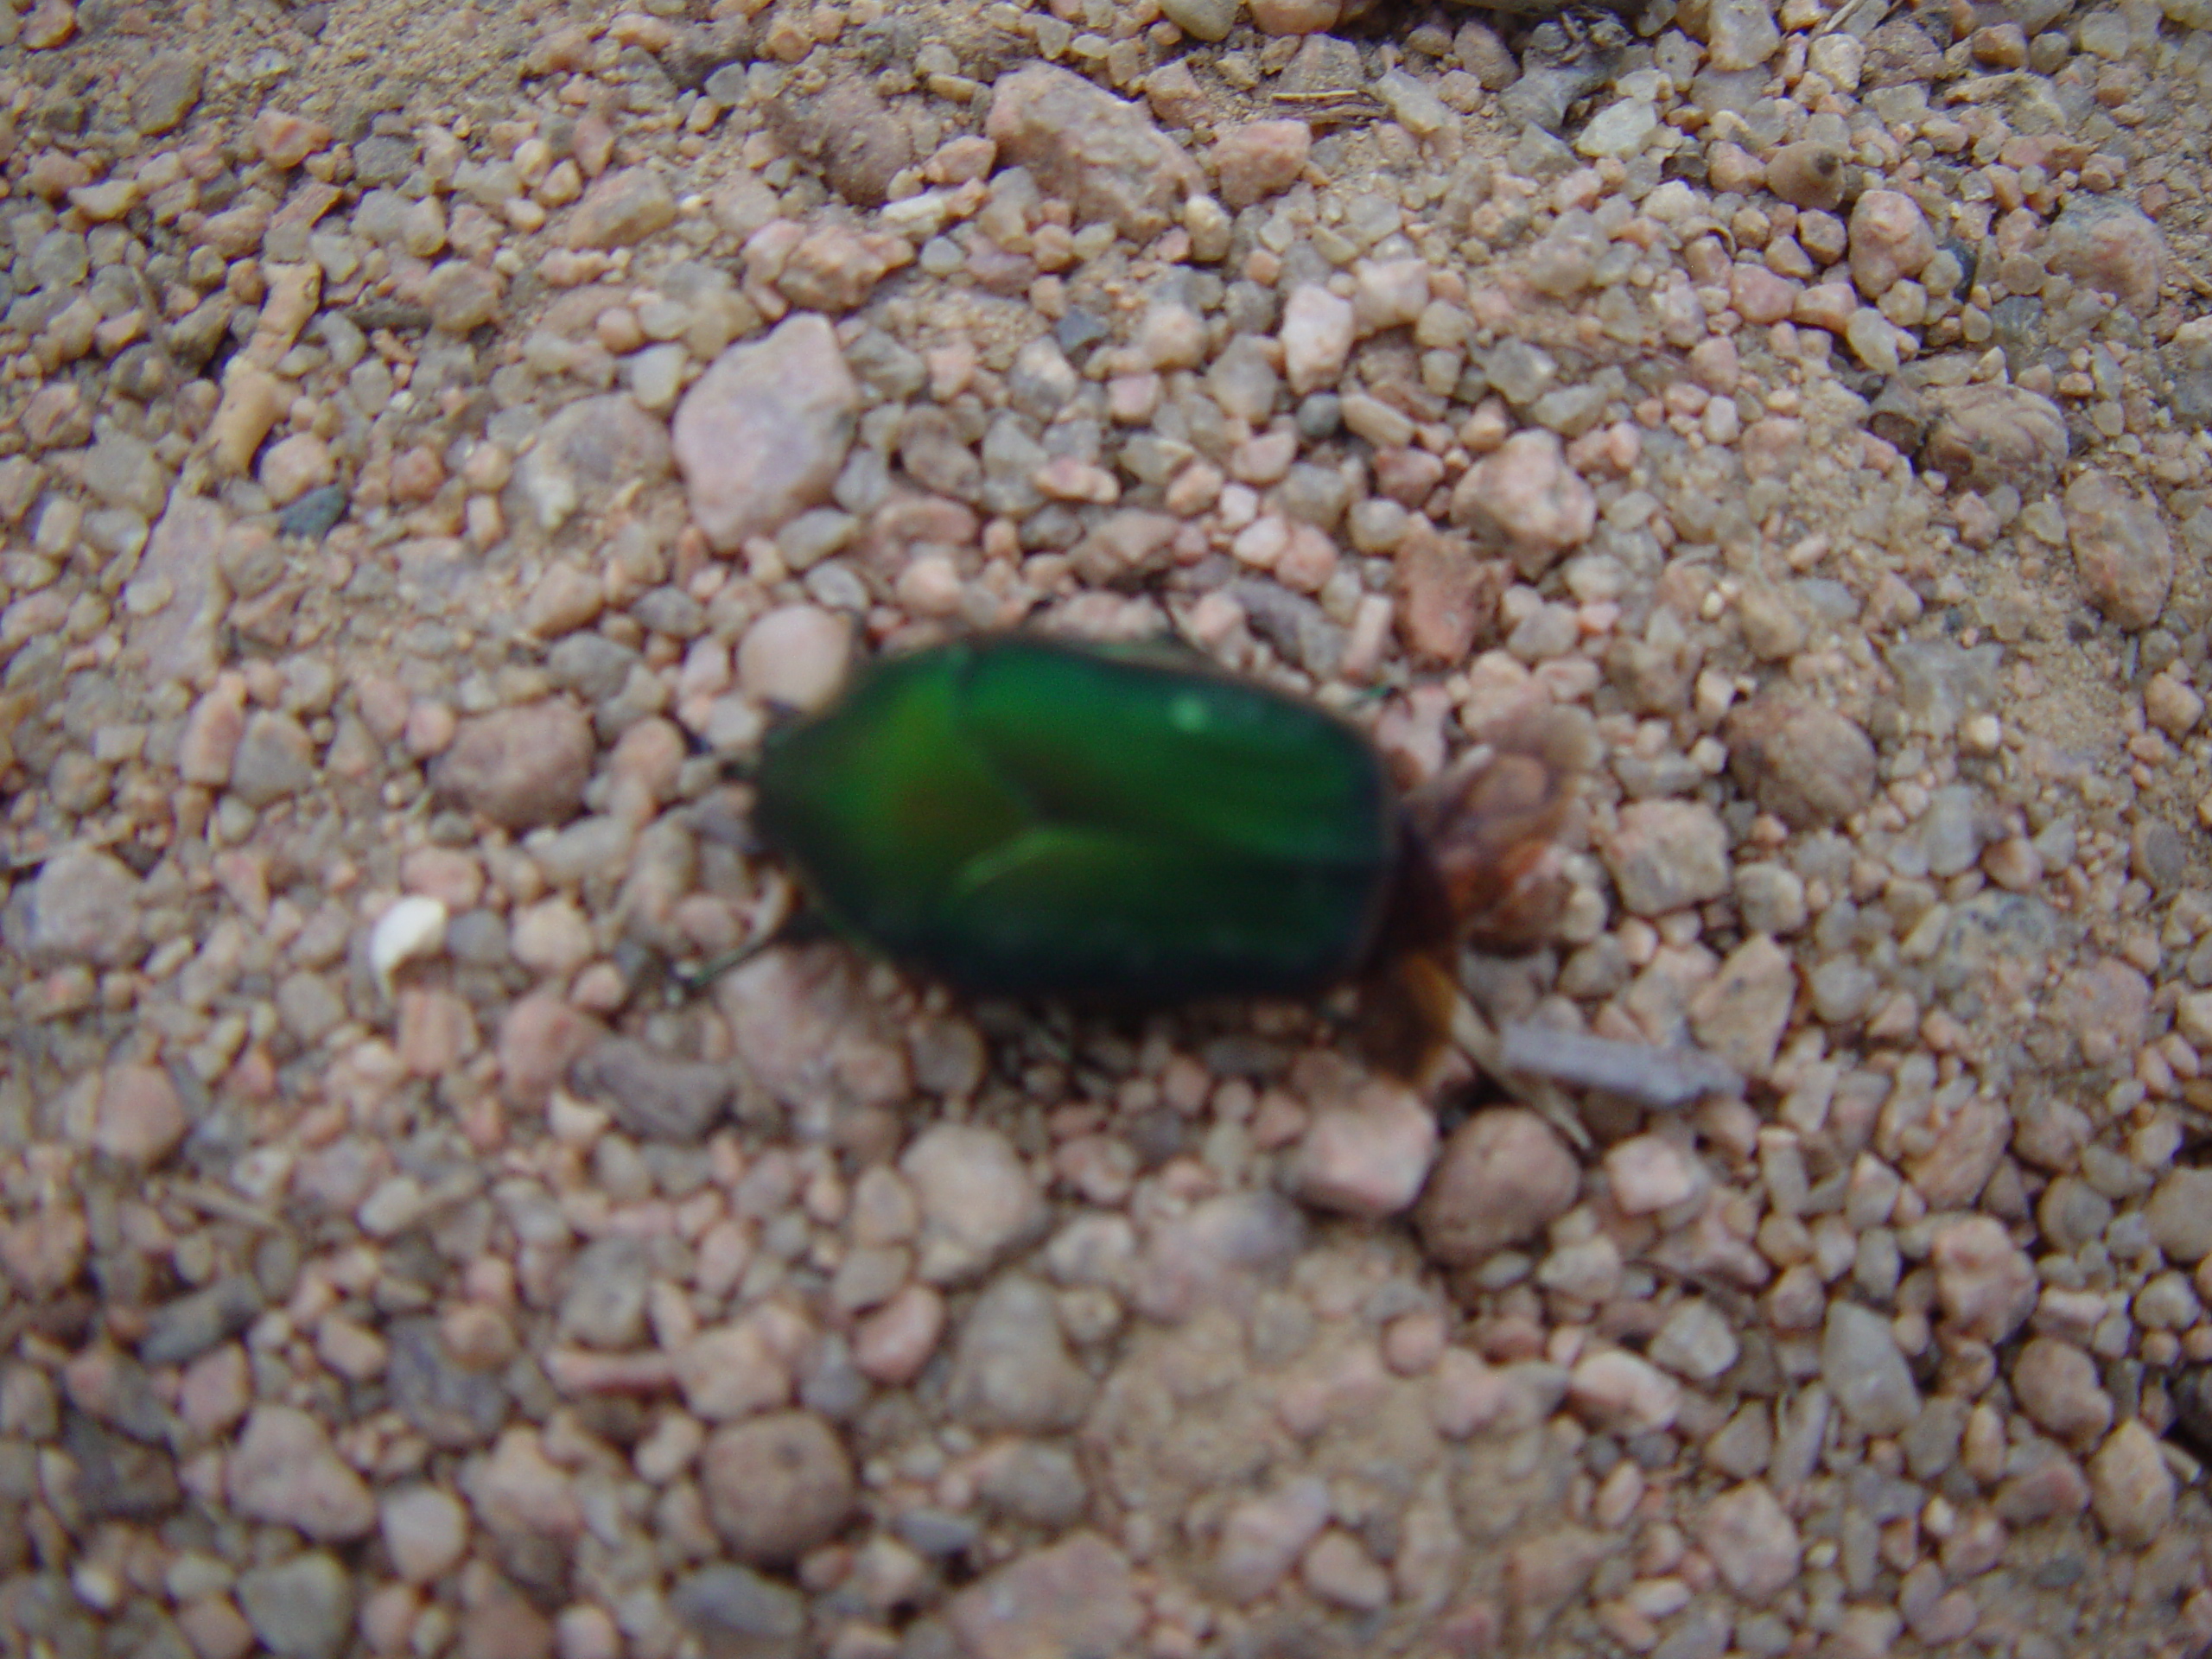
[1017, 815]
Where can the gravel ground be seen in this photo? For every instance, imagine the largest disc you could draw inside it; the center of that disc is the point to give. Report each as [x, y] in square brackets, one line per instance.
[433, 436]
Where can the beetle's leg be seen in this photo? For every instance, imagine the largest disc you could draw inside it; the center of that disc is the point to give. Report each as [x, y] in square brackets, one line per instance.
[741, 766]
[736, 766]
[781, 920]
[1055, 1034]
[690, 981]
[1403, 1022]
[803, 928]
[1482, 1045]
[723, 816]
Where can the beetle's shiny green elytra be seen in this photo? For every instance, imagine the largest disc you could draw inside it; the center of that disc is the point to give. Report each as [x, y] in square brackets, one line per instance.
[1020, 816]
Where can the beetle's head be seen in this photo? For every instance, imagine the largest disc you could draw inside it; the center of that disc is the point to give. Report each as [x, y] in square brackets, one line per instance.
[1490, 822]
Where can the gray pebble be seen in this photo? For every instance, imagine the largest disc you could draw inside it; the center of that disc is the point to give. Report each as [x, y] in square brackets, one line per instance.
[934, 1532]
[1041, 381]
[1036, 1483]
[1695, 1341]
[522, 767]
[589, 847]
[1316, 495]
[669, 611]
[83, 906]
[1842, 987]
[654, 1093]
[1520, 373]
[2159, 854]
[777, 1485]
[605, 1306]
[124, 472]
[1807, 763]
[380, 215]
[1931, 1445]
[1983, 437]
[2072, 1213]
[1666, 854]
[314, 514]
[1079, 329]
[734, 1609]
[188, 1326]
[1243, 381]
[889, 369]
[836, 587]
[450, 1407]
[820, 532]
[310, 1005]
[478, 937]
[1771, 897]
[1202, 20]
[1293, 624]
[1941, 681]
[1011, 1369]
[591, 448]
[2180, 1215]
[1995, 925]
[1951, 832]
[380, 160]
[1864, 1371]
[60, 259]
[165, 94]
[300, 1609]
[275, 759]
[832, 1386]
[119, 1478]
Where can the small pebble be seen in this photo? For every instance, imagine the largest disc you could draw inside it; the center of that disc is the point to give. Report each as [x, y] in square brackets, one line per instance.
[1807, 175]
[1501, 1177]
[2122, 550]
[777, 1485]
[413, 927]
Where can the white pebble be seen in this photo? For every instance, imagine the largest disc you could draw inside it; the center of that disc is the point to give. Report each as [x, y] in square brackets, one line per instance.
[415, 927]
